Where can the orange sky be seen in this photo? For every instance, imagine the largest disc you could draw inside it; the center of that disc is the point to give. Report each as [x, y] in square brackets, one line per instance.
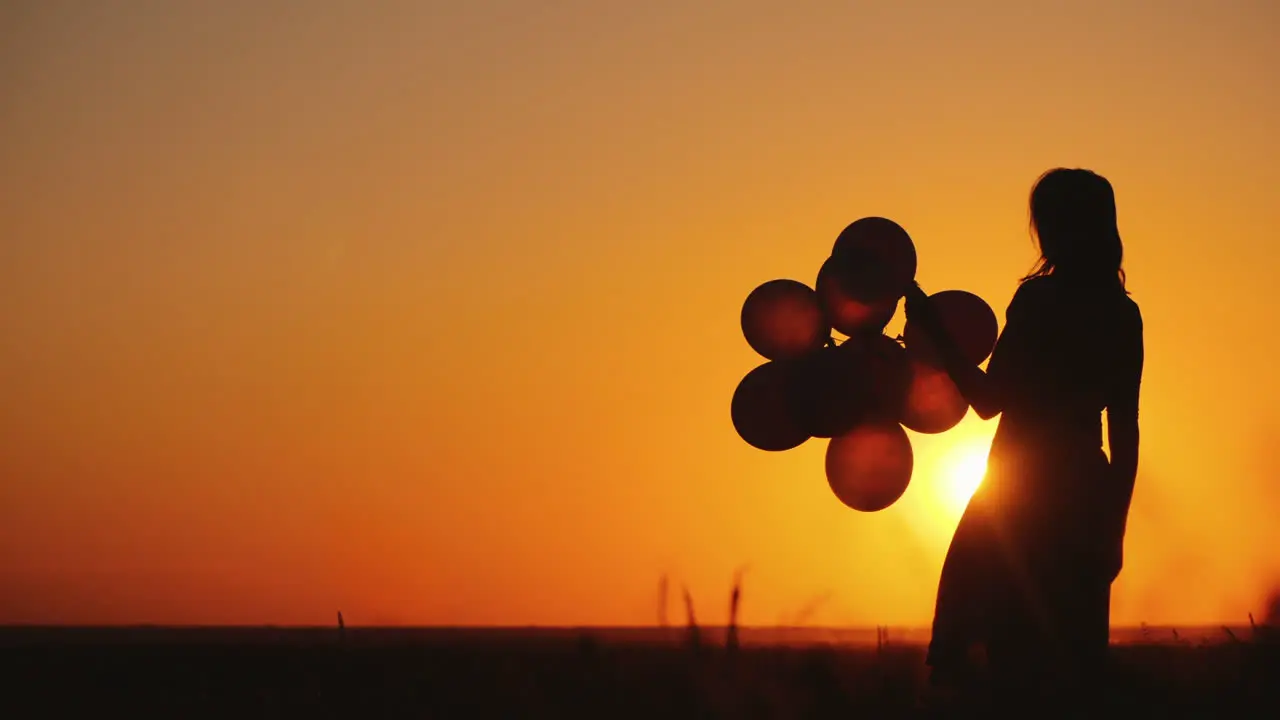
[429, 311]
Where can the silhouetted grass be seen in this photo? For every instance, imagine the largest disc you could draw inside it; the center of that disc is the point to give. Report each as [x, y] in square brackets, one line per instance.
[312, 674]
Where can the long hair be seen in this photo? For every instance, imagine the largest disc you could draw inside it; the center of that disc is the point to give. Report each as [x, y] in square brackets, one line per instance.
[1073, 219]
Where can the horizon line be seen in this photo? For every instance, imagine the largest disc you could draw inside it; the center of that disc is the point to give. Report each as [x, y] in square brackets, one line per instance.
[525, 626]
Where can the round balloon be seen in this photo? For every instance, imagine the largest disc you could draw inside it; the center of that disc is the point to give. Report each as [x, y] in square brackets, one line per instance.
[885, 372]
[869, 467]
[934, 403]
[967, 318]
[782, 319]
[828, 392]
[876, 259]
[843, 311]
[762, 409]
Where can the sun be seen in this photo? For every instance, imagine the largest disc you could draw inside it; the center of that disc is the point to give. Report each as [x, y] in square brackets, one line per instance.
[963, 470]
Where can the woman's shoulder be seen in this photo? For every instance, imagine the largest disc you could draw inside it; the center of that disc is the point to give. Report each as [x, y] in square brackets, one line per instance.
[1039, 287]
[1032, 292]
[1035, 286]
[1129, 304]
[1047, 293]
[1128, 310]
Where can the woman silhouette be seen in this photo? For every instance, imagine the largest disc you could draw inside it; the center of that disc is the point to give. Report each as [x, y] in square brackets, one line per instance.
[1028, 574]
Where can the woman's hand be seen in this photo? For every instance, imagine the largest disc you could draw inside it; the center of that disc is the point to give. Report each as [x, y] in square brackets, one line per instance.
[1113, 527]
[1114, 559]
[918, 308]
[981, 392]
[1112, 545]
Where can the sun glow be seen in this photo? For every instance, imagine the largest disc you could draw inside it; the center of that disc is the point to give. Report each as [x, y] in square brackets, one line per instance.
[963, 470]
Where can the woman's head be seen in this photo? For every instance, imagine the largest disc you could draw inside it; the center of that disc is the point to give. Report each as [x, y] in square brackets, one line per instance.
[1073, 217]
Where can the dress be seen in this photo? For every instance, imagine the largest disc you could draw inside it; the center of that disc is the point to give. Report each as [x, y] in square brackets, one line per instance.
[1026, 574]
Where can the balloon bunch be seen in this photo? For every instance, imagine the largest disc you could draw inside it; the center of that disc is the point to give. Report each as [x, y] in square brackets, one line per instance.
[860, 393]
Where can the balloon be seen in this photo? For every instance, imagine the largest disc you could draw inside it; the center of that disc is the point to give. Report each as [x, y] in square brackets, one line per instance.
[781, 319]
[843, 311]
[762, 409]
[886, 374]
[829, 392]
[869, 467]
[934, 403]
[968, 319]
[876, 260]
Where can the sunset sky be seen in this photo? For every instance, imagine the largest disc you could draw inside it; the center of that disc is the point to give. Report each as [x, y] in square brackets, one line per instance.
[429, 312]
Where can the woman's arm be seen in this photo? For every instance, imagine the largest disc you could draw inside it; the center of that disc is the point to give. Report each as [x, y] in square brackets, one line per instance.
[981, 389]
[1122, 417]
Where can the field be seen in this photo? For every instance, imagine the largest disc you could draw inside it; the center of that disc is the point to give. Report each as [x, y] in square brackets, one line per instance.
[366, 673]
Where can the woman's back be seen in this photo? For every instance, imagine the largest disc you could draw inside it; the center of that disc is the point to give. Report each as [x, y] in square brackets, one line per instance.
[1066, 355]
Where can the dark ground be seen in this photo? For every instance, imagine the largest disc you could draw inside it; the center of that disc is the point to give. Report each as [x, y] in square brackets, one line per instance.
[370, 674]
